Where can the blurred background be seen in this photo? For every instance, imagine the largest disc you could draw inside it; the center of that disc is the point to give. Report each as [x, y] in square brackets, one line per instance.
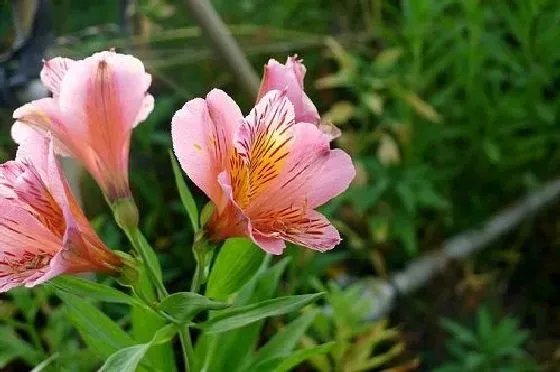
[449, 109]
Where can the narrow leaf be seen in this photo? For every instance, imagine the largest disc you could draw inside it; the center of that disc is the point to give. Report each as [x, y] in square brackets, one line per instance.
[183, 306]
[149, 253]
[101, 334]
[145, 324]
[95, 291]
[185, 194]
[288, 362]
[239, 317]
[45, 363]
[128, 359]
[286, 339]
[13, 347]
[237, 345]
[301, 356]
[238, 261]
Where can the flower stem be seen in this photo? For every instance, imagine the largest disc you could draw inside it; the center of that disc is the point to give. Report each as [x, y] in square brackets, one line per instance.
[186, 346]
[145, 252]
[151, 264]
[203, 256]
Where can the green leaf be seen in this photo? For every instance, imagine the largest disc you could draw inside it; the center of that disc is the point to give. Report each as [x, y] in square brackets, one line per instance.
[288, 362]
[238, 261]
[101, 334]
[185, 194]
[45, 363]
[241, 316]
[12, 347]
[145, 323]
[183, 306]
[459, 332]
[128, 359]
[148, 252]
[95, 291]
[236, 346]
[286, 339]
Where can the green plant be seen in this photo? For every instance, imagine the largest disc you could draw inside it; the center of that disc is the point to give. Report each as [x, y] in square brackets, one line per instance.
[359, 344]
[493, 345]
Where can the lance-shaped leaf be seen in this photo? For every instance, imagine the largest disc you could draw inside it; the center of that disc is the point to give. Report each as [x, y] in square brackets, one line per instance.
[100, 333]
[185, 194]
[95, 291]
[238, 261]
[183, 306]
[128, 359]
[241, 316]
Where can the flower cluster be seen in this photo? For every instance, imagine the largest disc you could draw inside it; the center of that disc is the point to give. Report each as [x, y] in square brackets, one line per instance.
[266, 172]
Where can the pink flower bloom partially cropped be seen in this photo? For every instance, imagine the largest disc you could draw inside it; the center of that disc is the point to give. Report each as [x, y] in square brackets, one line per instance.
[289, 77]
[266, 172]
[43, 232]
[96, 103]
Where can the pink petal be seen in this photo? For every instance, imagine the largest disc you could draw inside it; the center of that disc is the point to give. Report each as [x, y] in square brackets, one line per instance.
[298, 225]
[333, 175]
[312, 175]
[270, 245]
[330, 130]
[101, 99]
[21, 231]
[54, 71]
[25, 178]
[263, 143]
[315, 232]
[42, 115]
[103, 96]
[26, 245]
[290, 77]
[145, 110]
[233, 222]
[202, 134]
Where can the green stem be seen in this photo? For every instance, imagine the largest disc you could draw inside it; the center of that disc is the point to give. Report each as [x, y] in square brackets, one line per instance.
[202, 255]
[147, 255]
[137, 241]
[186, 346]
[197, 278]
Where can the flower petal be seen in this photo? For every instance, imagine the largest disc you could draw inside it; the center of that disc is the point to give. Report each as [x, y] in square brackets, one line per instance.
[26, 245]
[202, 132]
[54, 71]
[43, 115]
[270, 245]
[102, 97]
[231, 222]
[147, 108]
[312, 230]
[313, 173]
[289, 77]
[263, 143]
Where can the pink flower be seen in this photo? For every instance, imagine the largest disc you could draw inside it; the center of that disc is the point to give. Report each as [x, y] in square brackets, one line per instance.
[266, 172]
[43, 232]
[95, 105]
[289, 77]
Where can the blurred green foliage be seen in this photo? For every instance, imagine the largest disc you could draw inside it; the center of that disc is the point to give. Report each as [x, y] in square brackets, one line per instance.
[493, 345]
[449, 108]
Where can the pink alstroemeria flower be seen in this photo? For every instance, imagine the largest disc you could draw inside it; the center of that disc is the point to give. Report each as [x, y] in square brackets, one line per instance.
[95, 105]
[266, 173]
[43, 232]
[289, 77]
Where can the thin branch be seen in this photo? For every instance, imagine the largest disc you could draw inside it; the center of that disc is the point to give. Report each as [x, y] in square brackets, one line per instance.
[225, 45]
[423, 269]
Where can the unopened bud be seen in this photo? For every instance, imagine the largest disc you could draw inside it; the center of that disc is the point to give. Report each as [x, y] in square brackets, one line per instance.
[129, 274]
[126, 213]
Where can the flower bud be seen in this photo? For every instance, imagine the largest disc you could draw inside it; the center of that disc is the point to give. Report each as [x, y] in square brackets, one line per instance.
[126, 213]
